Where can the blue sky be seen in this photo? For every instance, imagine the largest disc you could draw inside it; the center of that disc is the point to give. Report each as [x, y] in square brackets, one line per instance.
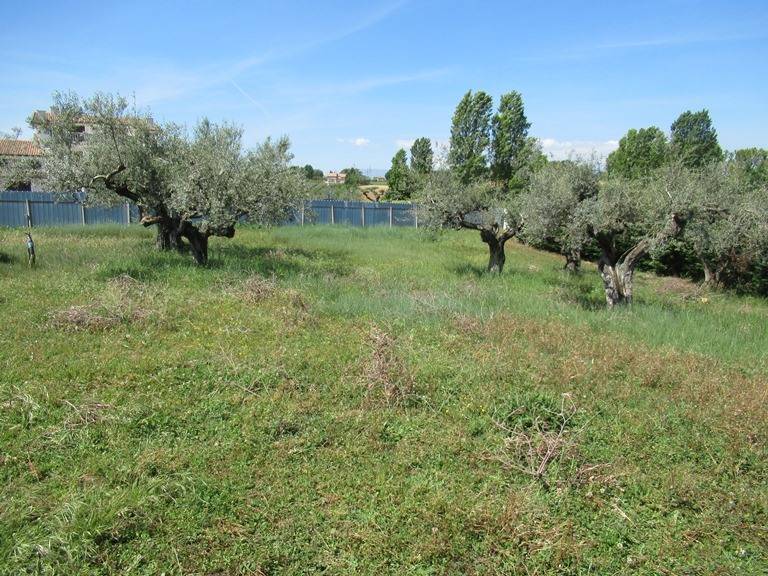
[349, 82]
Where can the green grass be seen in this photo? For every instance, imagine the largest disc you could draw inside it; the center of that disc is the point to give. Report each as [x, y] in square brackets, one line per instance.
[326, 400]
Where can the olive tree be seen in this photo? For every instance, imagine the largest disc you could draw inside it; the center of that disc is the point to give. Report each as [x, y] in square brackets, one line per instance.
[727, 229]
[189, 187]
[625, 218]
[630, 218]
[214, 184]
[448, 202]
[551, 202]
[123, 155]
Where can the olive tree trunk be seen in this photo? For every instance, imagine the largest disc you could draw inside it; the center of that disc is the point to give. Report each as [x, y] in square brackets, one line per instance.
[713, 272]
[168, 237]
[198, 244]
[496, 254]
[573, 261]
[617, 272]
[617, 281]
[197, 236]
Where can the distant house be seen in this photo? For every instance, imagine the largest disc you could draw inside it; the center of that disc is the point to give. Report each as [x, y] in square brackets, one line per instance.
[335, 178]
[15, 152]
[84, 125]
[41, 120]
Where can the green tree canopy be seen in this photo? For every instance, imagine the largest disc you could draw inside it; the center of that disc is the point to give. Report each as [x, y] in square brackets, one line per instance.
[753, 163]
[694, 139]
[311, 173]
[354, 178]
[640, 152]
[510, 138]
[422, 156]
[550, 205]
[471, 136]
[400, 178]
[190, 187]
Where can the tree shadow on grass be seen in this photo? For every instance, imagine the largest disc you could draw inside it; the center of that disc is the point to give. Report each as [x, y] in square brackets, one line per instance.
[233, 259]
[7, 258]
[576, 289]
[279, 261]
[467, 269]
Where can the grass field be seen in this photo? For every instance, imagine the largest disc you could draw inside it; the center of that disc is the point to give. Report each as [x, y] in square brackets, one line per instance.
[358, 401]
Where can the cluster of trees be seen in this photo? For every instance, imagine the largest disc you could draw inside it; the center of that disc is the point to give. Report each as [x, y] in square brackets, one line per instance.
[680, 199]
[189, 185]
[406, 181]
[312, 173]
[722, 242]
[355, 178]
[490, 161]
[652, 192]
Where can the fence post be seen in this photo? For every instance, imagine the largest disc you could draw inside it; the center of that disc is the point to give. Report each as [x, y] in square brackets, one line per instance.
[333, 215]
[29, 213]
[362, 210]
[303, 207]
[82, 214]
[390, 215]
[127, 214]
[416, 215]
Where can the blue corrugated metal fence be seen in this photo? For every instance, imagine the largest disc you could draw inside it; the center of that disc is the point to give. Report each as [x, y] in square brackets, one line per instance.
[43, 209]
[359, 213]
[30, 209]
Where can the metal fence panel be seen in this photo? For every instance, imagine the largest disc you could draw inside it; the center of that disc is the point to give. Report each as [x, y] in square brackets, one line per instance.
[13, 213]
[106, 215]
[55, 214]
[45, 210]
[404, 215]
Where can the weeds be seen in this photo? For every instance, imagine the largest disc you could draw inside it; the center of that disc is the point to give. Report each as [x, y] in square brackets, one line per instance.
[258, 288]
[386, 374]
[540, 437]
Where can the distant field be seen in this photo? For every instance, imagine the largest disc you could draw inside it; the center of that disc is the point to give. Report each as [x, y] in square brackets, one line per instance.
[326, 400]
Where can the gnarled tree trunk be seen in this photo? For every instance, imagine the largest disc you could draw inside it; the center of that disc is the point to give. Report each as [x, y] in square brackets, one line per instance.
[168, 237]
[617, 272]
[713, 272]
[198, 244]
[169, 230]
[711, 275]
[617, 281]
[197, 236]
[573, 261]
[496, 250]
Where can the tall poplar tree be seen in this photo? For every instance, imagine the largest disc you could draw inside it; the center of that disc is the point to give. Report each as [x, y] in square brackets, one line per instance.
[471, 137]
[510, 134]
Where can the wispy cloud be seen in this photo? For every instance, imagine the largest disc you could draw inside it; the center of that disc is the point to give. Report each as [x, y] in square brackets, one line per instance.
[367, 84]
[586, 52]
[173, 84]
[359, 142]
[677, 41]
[367, 21]
[250, 98]
[404, 143]
[564, 149]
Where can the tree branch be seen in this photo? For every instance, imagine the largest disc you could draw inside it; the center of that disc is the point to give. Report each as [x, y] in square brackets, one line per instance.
[108, 181]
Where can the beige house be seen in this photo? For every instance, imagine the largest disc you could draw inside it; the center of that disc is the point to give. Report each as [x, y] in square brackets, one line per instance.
[335, 178]
[12, 154]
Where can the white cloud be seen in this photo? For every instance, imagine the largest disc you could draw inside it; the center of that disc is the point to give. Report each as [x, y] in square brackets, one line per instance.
[359, 142]
[564, 149]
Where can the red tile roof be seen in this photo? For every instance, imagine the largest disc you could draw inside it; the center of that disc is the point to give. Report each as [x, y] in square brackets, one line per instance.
[19, 148]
